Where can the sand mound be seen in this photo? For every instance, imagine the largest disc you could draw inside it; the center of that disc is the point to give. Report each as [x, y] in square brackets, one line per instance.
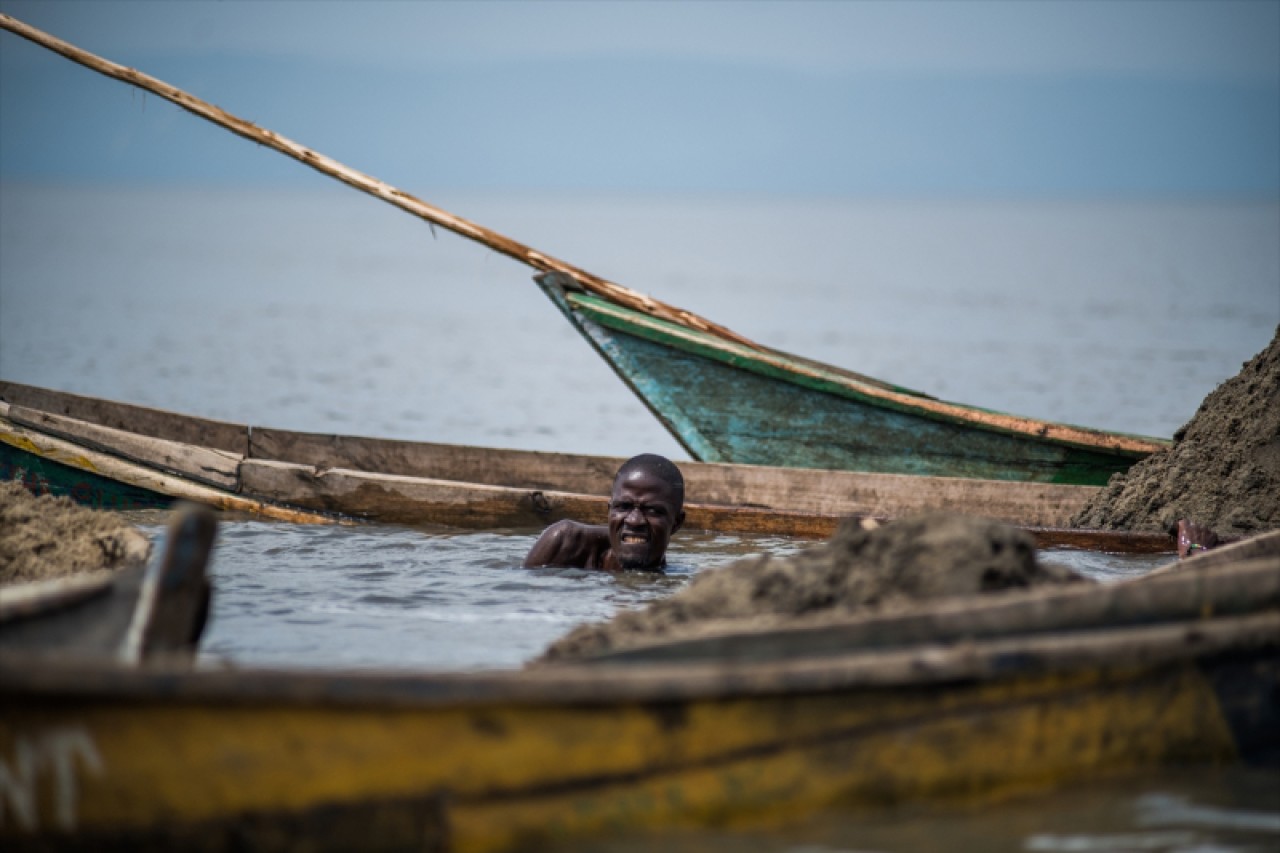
[46, 537]
[928, 556]
[1223, 470]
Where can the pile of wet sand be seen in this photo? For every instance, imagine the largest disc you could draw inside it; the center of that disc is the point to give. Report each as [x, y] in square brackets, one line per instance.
[1223, 470]
[48, 537]
[924, 557]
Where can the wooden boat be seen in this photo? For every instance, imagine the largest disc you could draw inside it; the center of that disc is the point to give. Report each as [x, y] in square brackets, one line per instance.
[129, 615]
[121, 455]
[729, 400]
[724, 397]
[163, 757]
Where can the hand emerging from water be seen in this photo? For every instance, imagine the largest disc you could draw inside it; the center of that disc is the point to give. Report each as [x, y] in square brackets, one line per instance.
[1193, 538]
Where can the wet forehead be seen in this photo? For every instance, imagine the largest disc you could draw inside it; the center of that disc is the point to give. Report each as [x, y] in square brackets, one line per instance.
[642, 485]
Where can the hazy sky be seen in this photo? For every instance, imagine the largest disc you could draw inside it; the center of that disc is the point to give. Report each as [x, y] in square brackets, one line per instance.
[1168, 98]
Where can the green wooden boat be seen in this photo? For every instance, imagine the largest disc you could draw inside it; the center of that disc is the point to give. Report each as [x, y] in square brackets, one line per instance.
[729, 400]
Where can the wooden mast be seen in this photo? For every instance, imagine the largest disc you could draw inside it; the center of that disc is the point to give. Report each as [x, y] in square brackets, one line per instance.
[365, 183]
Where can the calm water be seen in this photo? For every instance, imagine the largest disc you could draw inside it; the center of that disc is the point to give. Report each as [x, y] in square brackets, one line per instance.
[322, 310]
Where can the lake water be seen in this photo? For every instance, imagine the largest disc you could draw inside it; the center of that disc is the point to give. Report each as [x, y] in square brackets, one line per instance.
[323, 310]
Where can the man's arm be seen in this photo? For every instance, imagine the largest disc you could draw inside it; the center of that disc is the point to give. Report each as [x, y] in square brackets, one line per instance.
[570, 544]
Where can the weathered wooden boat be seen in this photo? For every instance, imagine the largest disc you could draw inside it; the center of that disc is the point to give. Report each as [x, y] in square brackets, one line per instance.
[129, 615]
[125, 456]
[724, 397]
[1186, 671]
[729, 400]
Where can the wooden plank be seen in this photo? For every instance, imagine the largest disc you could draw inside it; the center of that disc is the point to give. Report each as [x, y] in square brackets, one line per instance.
[397, 499]
[847, 493]
[133, 474]
[525, 469]
[391, 498]
[784, 489]
[143, 420]
[218, 468]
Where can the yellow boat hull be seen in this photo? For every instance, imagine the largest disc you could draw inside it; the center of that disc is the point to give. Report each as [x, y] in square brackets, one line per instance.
[216, 760]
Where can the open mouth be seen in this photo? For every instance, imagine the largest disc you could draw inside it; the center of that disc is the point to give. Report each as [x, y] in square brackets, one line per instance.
[632, 539]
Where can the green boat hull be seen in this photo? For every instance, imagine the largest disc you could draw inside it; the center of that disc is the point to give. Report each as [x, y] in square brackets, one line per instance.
[727, 403]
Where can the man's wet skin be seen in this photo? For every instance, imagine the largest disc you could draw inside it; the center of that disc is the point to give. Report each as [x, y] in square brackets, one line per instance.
[645, 508]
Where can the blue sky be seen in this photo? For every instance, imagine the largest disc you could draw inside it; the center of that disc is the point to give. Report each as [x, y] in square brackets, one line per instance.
[959, 99]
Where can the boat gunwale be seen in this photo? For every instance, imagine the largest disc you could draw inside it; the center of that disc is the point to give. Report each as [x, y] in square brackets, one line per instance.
[923, 666]
[809, 524]
[1182, 590]
[871, 494]
[778, 365]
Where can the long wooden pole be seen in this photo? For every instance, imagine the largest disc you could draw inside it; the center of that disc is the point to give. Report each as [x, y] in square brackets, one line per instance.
[366, 183]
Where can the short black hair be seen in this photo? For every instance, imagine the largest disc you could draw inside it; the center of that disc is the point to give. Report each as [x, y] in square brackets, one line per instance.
[660, 466]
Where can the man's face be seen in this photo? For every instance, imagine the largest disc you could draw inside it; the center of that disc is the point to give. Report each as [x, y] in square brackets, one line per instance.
[643, 514]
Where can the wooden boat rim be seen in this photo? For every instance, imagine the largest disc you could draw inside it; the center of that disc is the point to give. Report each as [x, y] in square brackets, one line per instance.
[602, 684]
[780, 365]
[1246, 584]
[38, 597]
[101, 462]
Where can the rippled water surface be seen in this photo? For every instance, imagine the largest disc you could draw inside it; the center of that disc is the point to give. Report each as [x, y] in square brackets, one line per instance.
[398, 598]
[389, 597]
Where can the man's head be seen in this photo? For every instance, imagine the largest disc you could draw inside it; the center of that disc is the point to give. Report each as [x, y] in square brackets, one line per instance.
[646, 508]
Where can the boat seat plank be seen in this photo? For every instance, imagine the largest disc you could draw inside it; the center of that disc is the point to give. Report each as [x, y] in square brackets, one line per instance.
[207, 465]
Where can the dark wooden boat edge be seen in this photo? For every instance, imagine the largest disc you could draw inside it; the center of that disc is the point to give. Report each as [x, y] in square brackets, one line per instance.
[1241, 579]
[140, 612]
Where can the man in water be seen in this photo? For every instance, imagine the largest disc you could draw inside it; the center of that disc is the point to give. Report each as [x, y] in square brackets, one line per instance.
[646, 508]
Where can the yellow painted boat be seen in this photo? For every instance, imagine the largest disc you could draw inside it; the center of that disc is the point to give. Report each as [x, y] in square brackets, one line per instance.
[1184, 667]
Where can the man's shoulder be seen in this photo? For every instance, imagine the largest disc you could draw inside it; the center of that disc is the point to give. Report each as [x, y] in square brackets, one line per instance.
[569, 543]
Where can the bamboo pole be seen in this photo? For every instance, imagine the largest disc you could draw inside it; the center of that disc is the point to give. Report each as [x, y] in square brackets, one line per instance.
[365, 183]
